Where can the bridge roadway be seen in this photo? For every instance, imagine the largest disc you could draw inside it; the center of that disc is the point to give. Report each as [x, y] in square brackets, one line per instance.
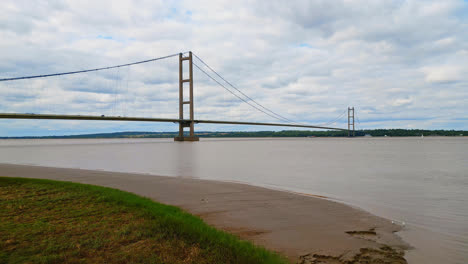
[152, 119]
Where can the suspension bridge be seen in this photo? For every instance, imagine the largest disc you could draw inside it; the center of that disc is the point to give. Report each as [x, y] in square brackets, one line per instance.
[184, 121]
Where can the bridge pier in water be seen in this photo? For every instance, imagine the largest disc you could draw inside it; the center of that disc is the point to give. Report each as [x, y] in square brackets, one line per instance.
[190, 123]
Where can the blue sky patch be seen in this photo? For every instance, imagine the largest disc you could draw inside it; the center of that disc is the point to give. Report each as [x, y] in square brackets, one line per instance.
[104, 37]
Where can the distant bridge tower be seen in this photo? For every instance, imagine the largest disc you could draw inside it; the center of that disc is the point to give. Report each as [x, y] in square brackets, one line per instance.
[190, 123]
[350, 121]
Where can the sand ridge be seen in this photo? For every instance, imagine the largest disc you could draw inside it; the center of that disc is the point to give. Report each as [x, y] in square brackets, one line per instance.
[306, 229]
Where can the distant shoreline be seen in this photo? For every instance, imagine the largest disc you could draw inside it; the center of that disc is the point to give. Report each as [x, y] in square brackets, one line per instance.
[257, 134]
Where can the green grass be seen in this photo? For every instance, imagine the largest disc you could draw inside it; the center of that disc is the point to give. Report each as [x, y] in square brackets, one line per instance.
[44, 221]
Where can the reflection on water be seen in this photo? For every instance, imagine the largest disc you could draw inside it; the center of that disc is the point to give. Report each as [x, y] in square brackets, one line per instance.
[423, 182]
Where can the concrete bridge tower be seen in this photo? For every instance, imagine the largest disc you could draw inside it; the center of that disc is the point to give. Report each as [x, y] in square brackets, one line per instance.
[189, 123]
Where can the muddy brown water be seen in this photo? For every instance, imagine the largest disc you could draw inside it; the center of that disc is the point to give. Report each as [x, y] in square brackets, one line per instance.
[419, 183]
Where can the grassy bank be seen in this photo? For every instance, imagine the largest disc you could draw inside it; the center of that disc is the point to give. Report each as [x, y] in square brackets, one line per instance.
[43, 221]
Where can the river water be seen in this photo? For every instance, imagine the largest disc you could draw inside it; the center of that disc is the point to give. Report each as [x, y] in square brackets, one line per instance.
[421, 182]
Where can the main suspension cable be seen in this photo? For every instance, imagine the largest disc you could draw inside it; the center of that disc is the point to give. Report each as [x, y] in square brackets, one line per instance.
[334, 120]
[90, 70]
[251, 99]
[245, 101]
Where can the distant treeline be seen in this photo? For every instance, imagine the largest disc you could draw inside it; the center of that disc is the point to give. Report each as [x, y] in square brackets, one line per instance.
[285, 133]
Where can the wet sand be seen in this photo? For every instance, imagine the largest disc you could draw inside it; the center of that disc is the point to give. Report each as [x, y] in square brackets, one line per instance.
[304, 228]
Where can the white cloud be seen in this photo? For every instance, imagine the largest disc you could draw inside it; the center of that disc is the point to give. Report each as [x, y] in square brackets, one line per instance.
[445, 42]
[307, 60]
[442, 73]
[402, 101]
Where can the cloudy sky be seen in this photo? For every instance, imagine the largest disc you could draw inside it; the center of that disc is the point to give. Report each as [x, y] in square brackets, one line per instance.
[401, 64]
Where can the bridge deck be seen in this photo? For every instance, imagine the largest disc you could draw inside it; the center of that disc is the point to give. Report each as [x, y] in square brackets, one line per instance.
[151, 119]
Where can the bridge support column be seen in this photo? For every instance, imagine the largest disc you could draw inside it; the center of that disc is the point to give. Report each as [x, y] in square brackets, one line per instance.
[189, 123]
[350, 121]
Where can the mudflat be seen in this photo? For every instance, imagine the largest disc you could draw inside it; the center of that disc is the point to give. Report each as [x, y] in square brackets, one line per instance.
[304, 228]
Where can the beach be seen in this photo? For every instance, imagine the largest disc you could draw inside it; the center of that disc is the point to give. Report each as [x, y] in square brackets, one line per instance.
[304, 228]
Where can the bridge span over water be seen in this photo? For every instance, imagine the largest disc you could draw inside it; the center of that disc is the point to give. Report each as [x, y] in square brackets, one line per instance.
[185, 58]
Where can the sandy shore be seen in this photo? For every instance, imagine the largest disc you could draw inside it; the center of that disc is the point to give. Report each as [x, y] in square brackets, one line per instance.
[304, 228]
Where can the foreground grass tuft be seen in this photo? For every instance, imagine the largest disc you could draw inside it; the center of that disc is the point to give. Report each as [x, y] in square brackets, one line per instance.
[44, 221]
